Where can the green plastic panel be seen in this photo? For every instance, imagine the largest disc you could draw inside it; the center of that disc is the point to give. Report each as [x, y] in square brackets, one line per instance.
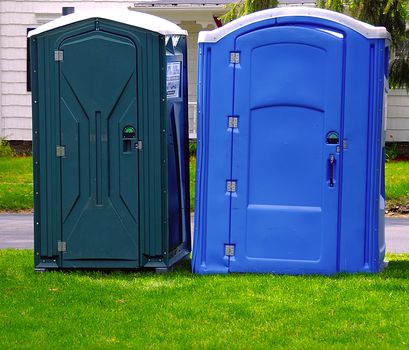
[106, 199]
[99, 172]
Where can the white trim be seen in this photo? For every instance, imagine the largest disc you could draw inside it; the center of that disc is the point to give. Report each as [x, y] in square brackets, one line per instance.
[365, 29]
[133, 18]
[202, 16]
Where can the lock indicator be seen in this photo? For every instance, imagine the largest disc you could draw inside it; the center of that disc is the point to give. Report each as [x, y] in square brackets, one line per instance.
[332, 138]
[128, 132]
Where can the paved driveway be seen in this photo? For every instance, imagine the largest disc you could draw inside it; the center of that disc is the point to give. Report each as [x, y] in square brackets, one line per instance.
[397, 235]
[16, 231]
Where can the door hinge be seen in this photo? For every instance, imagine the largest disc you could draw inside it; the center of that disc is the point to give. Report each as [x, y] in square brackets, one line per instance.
[231, 186]
[233, 122]
[138, 145]
[234, 57]
[229, 249]
[60, 150]
[58, 55]
[62, 246]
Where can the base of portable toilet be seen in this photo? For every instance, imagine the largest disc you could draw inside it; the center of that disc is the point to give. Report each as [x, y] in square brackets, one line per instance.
[290, 145]
[111, 185]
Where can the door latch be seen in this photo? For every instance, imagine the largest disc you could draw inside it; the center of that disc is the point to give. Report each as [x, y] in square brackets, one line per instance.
[331, 170]
[138, 145]
[229, 249]
[60, 151]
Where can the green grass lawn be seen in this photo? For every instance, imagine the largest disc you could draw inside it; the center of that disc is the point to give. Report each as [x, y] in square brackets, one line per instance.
[16, 183]
[95, 310]
[397, 180]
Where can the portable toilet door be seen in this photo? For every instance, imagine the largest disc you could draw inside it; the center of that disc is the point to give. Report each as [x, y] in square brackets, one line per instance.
[99, 132]
[277, 130]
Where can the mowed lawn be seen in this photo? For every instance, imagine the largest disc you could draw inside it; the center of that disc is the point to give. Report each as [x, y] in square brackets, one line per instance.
[16, 188]
[16, 183]
[95, 310]
[397, 180]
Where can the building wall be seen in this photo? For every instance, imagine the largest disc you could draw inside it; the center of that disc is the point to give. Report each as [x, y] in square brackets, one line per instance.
[18, 15]
[398, 116]
[15, 102]
[15, 17]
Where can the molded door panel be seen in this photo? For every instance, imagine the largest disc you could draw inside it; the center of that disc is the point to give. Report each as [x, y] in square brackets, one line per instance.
[98, 99]
[284, 215]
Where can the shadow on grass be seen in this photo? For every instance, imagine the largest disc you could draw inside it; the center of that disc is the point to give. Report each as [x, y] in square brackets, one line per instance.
[398, 269]
[183, 268]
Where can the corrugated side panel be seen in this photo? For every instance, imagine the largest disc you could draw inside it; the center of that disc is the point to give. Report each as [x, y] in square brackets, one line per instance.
[353, 235]
[381, 70]
[36, 154]
[153, 128]
[178, 147]
[212, 205]
[361, 235]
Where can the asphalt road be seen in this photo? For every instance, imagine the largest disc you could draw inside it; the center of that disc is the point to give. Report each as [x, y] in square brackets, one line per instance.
[16, 231]
[397, 235]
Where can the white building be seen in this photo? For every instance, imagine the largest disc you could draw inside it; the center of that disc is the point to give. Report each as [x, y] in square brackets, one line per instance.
[19, 16]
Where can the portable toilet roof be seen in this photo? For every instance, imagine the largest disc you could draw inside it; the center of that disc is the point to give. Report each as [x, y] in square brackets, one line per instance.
[367, 30]
[132, 18]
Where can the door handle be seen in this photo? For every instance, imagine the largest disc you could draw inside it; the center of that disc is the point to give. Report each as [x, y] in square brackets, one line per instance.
[331, 170]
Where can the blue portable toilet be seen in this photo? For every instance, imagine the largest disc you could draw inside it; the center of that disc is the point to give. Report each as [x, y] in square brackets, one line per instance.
[290, 145]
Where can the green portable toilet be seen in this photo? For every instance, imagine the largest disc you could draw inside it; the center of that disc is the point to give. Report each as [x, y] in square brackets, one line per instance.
[102, 198]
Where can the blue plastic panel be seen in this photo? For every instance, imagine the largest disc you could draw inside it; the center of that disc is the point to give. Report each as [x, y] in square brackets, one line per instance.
[284, 217]
[298, 79]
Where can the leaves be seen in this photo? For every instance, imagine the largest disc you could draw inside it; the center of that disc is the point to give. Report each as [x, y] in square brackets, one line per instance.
[399, 66]
[244, 7]
[391, 14]
[334, 5]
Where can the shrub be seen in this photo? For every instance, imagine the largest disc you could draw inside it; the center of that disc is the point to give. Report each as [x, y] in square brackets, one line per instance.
[5, 149]
[192, 148]
[391, 152]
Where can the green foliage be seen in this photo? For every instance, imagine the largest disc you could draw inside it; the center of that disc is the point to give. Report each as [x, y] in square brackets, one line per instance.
[334, 5]
[192, 148]
[391, 14]
[5, 149]
[399, 66]
[391, 152]
[118, 310]
[16, 183]
[244, 7]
